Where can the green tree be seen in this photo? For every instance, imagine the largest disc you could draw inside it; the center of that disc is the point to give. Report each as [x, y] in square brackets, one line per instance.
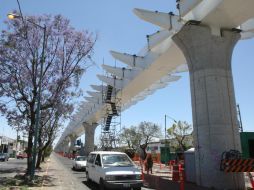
[131, 137]
[142, 134]
[148, 132]
[181, 132]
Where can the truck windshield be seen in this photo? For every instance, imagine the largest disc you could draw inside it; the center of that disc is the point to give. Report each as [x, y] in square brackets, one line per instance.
[81, 158]
[116, 160]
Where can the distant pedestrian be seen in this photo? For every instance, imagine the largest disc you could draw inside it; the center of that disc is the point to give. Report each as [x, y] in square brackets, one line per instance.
[149, 163]
[142, 152]
[142, 156]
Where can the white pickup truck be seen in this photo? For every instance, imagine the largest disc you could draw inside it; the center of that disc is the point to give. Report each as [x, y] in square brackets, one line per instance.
[113, 170]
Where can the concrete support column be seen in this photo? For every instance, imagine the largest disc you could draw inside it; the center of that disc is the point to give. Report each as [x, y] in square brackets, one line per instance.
[66, 146]
[213, 102]
[73, 138]
[89, 137]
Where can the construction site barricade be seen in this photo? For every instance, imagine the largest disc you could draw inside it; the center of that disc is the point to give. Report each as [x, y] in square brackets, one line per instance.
[170, 164]
[175, 176]
[181, 172]
[181, 176]
[237, 165]
[251, 180]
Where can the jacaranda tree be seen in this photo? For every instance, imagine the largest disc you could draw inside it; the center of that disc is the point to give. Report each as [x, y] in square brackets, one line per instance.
[66, 57]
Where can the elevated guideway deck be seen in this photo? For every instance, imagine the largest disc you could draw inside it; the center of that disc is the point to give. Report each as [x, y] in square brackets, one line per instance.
[158, 62]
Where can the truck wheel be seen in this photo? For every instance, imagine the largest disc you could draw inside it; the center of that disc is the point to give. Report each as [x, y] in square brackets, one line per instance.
[102, 185]
[87, 178]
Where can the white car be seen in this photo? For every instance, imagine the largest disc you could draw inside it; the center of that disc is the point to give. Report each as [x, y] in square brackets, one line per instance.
[79, 163]
[113, 170]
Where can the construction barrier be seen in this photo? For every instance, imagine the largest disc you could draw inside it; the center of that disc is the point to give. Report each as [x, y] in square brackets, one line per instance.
[237, 165]
[171, 163]
[181, 176]
[142, 170]
[175, 176]
[251, 180]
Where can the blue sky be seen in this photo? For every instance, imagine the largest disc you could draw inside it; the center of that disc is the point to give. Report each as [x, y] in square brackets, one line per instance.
[119, 29]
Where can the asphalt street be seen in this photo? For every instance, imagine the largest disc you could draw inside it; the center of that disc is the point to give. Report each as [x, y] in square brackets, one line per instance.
[80, 175]
[62, 169]
[12, 167]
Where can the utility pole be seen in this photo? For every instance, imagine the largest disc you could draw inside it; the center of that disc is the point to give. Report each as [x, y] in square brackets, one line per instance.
[166, 125]
[240, 118]
[38, 96]
[165, 129]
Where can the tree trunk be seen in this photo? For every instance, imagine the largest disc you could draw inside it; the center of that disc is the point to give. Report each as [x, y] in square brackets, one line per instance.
[38, 163]
[43, 156]
[29, 152]
[30, 143]
[39, 159]
[41, 153]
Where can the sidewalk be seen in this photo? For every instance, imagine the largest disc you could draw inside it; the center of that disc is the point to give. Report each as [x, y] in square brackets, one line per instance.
[161, 178]
[57, 177]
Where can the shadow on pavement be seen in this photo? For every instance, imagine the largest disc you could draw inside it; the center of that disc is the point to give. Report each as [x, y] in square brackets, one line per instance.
[91, 185]
[12, 170]
[48, 181]
[22, 180]
[157, 182]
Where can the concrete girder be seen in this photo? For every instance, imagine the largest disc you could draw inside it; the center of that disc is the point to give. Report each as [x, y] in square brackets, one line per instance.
[157, 85]
[135, 61]
[100, 88]
[167, 21]
[222, 13]
[78, 113]
[155, 39]
[187, 5]
[201, 11]
[169, 78]
[181, 68]
[247, 29]
[79, 129]
[131, 60]
[94, 100]
[94, 94]
[76, 116]
[121, 72]
[139, 98]
[82, 109]
[88, 105]
[116, 83]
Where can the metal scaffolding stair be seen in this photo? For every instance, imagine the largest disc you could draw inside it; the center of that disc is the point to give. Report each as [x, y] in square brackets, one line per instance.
[108, 122]
[109, 93]
[112, 111]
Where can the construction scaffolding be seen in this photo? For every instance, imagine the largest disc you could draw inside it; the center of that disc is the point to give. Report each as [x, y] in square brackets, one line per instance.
[111, 122]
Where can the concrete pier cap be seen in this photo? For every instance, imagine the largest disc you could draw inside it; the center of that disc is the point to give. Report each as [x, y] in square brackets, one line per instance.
[213, 101]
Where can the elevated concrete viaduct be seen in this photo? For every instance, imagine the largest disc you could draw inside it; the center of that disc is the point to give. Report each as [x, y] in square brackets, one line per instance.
[203, 36]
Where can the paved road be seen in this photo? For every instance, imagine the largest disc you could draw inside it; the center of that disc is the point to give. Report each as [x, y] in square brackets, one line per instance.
[12, 167]
[79, 175]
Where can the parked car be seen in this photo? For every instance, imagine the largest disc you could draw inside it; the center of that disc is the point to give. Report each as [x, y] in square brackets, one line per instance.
[4, 157]
[79, 163]
[21, 156]
[113, 170]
